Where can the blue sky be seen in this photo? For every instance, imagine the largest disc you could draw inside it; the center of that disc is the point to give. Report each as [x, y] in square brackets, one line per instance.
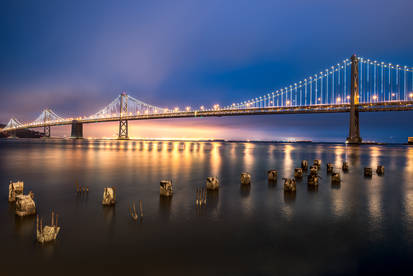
[76, 56]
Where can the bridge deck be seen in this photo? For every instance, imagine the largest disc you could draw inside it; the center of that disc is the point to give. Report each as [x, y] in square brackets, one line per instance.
[371, 107]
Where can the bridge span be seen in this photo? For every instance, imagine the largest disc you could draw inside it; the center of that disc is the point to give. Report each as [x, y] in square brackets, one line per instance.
[368, 86]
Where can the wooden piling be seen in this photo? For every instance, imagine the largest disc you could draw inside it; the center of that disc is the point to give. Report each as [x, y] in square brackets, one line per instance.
[141, 207]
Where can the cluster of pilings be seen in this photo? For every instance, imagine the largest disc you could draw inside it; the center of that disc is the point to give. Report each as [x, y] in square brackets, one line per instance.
[80, 189]
[201, 196]
[26, 206]
[47, 233]
[368, 172]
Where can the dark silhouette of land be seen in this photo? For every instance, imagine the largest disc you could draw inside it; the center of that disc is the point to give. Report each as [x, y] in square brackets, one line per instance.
[22, 133]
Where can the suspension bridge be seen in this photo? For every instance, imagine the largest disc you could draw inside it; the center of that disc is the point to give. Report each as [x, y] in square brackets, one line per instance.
[353, 85]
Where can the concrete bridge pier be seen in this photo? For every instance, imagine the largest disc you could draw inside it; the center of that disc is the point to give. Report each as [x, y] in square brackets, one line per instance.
[354, 130]
[12, 133]
[77, 130]
[46, 131]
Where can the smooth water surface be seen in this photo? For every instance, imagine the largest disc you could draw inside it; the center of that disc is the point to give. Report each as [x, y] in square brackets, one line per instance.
[361, 226]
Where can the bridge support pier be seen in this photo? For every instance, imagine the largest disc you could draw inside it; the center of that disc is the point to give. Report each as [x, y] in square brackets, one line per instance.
[46, 131]
[77, 130]
[354, 131]
[12, 133]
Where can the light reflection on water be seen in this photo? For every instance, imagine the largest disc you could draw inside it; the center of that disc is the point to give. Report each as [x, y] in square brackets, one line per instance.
[250, 230]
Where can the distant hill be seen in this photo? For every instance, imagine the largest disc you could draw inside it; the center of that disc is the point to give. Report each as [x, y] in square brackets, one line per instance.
[23, 133]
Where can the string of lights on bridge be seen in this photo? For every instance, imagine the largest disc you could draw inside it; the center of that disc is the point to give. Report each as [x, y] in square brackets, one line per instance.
[378, 82]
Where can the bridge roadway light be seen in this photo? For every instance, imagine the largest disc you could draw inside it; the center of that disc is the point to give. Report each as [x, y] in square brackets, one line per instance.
[338, 99]
[202, 107]
[216, 106]
[411, 95]
[188, 108]
[374, 97]
[176, 109]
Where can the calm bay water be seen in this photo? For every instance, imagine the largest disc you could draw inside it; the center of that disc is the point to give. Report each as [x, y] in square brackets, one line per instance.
[363, 226]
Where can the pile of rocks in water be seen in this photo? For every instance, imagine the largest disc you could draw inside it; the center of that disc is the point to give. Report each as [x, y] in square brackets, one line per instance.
[109, 196]
[15, 189]
[272, 175]
[212, 183]
[166, 188]
[25, 205]
[289, 185]
[298, 173]
[245, 178]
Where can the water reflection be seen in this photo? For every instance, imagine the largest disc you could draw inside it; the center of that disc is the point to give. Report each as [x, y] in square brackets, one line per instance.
[165, 204]
[213, 199]
[109, 213]
[272, 183]
[289, 197]
[24, 226]
[361, 212]
[245, 190]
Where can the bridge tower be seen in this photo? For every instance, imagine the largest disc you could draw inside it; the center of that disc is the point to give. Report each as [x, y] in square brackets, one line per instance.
[123, 123]
[46, 129]
[354, 131]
